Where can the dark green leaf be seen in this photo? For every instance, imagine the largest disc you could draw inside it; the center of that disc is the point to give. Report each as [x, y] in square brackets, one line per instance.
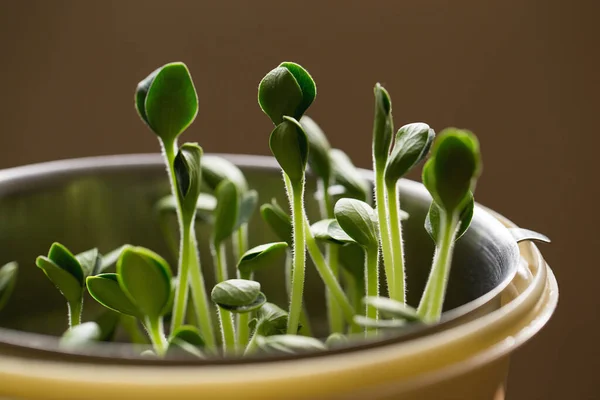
[215, 169]
[379, 323]
[279, 94]
[272, 320]
[247, 208]
[319, 148]
[189, 176]
[358, 220]
[8, 279]
[110, 259]
[64, 259]
[307, 84]
[226, 213]
[261, 256]
[290, 344]
[392, 308]
[105, 289]
[336, 340]
[169, 100]
[278, 220]
[289, 145]
[260, 300]
[66, 283]
[348, 176]
[432, 220]
[329, 230]
[80, 335]
[451, 172]
[235, 292]
[383, 125]
[90, 261]
[411, 146]
[145, 277]
[521, 234]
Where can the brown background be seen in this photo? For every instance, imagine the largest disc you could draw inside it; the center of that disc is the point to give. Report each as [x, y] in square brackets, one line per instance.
[522, 74]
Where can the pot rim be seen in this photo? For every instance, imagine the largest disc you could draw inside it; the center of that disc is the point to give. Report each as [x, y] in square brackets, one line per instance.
[12, 180]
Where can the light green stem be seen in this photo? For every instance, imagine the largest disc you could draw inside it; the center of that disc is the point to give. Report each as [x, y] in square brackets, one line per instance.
[181, 291]
[200, 297]
[372, 279]
[75, 313]
[399, 291]
[432, 301]
[299, 260]
[382, 213]
[227, 331]
[306, 329]
[240, 242]
[243, 330]
[156, 333]
[252, 345]
[220, 262]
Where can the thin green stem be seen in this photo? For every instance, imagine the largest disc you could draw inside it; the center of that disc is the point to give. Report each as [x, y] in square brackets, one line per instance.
[432, 301]
[75, 313]
[220, 262]
[200, 297]
[372, 279]
[306, 329]
[252, 345]
[227, 331]
[355, 294]
[156, 333]
[382, 213]
[299, 257]
[399, 291]
[181, 291]
[240, 241]
[243, 330]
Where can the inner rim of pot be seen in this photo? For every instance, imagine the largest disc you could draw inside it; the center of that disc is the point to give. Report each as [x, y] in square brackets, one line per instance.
[107, 201]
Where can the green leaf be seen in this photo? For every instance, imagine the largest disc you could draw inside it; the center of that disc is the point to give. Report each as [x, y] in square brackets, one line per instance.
[188, 175]
[108, 321]
[278, 220]
[226, 213]
[64, 259]
[105, 289]
[451, 172]
[286, 90]
[392, 308]
[358, 220]
[261, 256]
[260, 300]
[80, 335]
[90, 261]
[348, 176]
[336, 340]
[145, 277]
[247, 207]
[432, 220]
[411, 146]
[319, 148]
[289, 344]
[383, 125]
[329, 230]
[289, 145]
[66, 283]
[521, 234]
[8, 280]
[167, 101]
[235, 292]
[187, 339]
[272, 320]
[216, 169]
[379, 323]
[110, 259]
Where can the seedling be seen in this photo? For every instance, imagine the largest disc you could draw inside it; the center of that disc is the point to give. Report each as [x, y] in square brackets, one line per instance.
[8, 279]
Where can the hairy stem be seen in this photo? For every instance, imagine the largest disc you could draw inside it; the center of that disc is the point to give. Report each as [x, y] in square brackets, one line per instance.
[227, 331]
[75, 313]
[299, 260]
[382, 213]
[372, 279]
[243, 330]
[305, 330]
[181, 291]
[432, 301]
[156, 333]
[399, 291]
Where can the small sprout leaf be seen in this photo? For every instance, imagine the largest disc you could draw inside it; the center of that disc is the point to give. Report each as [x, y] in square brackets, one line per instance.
[336, 340]
[90, 261]
[329, 230]
[261, 256]
[358, 220]
[110, 259]
[8, 279]
[348, 176]
[289, 145]
[379, 323]
[247, 208]
[167, 101]
[432, 221]
[278, 220]
[411, 146]
[188, 175]
[383, 125]
[235, 292]
[451, 172]
[226, 213]
[66, 283]
[145, 277]
[272, 320]
[64, 259]
[105, 289]
[216, 169]
[255, 305]
[392, 308]
[319, 148]
[521, 234]
[307, 84]
[80, 335]
[290, 344]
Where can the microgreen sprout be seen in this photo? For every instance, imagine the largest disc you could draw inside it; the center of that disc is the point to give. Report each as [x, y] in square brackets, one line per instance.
[8, 279]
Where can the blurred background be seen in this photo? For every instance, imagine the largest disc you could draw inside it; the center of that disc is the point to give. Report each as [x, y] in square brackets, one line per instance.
[523, 75]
